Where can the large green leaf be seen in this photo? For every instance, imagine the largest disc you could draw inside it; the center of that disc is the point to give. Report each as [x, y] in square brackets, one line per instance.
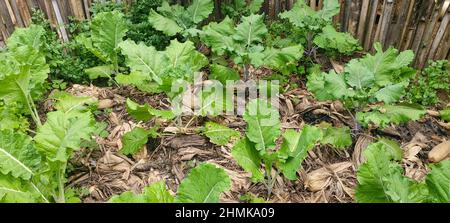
[14, 190]
[395, 114]
[30, 36]
[30, 73]
[251, 30]
[330, 39]
[185, 55]
[108, 30]
[223, 74]
[263, 124]
[381, 180]
[297, 148]
[164, 24]
[277, 58]
[248, 158]
[62, 134]
[200, 10]
[219, 134]
[144, 59]
[358, 76]
[438, 182]
[203, 184]
[391, 93]
[218, 36]
[18, 156]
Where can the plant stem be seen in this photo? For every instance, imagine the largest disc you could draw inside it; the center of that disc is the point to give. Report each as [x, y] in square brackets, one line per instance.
[61, 197]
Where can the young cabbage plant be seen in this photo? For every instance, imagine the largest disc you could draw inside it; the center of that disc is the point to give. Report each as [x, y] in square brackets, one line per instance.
[157, 71]
[379, 78]
[236, 9]
[244, 43]
[204, 184]
[175, 19]
[318, 27]
[381, 178]
[23, 73]
[107, 31]
[33, 170]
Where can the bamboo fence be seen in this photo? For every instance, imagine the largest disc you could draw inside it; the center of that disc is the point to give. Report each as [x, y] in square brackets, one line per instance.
[420, 25]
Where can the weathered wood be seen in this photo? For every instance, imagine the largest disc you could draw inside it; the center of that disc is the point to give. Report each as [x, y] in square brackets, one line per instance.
[443, 30]
[362, 20]
[373, 13]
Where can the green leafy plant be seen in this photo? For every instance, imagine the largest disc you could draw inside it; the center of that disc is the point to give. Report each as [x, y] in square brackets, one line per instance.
[244, 44]
[33, 170]
[24, 71]
[107, 31]
[318, 29]
[141, 29]
[146, 112]
[445, 114]
[219, 134]
[155, 71]
[203, 184]
[135, 139]
[238, 8]
[175, 19]
[381, 178]
[424, 90]
[382, 77]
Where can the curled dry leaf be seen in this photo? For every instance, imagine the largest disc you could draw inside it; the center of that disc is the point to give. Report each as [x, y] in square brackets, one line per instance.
[105, 103]
[320, 179]
[361, 144]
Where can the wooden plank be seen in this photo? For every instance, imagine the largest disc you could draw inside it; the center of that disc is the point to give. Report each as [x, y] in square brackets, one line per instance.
[423, 17]
[17, 13]
[386, 22]
[8, 23]
[440, 36]
[362, 20]
[352, 24]
[60, 21]
[371, 24]
[406, 24]
[430, 31]
[24, 11]
[346, 15]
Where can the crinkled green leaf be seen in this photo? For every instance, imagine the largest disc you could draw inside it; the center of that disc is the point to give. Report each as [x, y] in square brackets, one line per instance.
[223, 74]
[438, 182]
[218, 36]
[146, 112]
[186, 55]
[100, 71]
[309, 136]
[388, 114]
[164, 24]
[15, 190]
[141, 81]
[263, 124]
[154, 193]
[203, 184]
[391, 93]
[358, 76]
[303, 16]
[337, 137]
[380, 179]
[108, 30]
[277, 58]
[144, 59]
[248, 158]
[62, 134]
[200, 10]
[134, 140]
[30, 73]
[330, 39]
[70, 104]
[30, 36]
[18, 156]
[219, 134]
[251, 30]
